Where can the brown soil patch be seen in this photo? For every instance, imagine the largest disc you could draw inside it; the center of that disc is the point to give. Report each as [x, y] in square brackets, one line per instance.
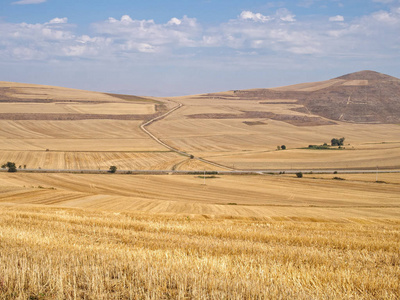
[297, 120]
[254, 123]
[71, 117]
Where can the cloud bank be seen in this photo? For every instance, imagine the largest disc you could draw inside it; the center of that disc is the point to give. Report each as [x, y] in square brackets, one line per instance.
[250, 34]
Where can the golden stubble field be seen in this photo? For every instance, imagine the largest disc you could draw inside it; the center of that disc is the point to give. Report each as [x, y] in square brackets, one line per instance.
[227, 195]
[55, 253]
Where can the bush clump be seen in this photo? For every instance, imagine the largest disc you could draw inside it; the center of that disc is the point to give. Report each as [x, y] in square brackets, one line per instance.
[10, 166]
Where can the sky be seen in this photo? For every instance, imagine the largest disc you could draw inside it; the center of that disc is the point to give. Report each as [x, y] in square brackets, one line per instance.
[181, 47]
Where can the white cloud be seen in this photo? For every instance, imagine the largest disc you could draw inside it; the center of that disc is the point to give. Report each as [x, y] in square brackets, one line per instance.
[146, 36]
[23, 2]
[392, 17]
[59, 21]
[251, 32]
[248, 15]
[285, 15]
[174, 21]
[337, 18]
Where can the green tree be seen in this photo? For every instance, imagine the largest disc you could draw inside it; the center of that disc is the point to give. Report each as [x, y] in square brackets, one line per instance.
[299, 174]
[337, 142]
[283, 147]
[10, 166]
[112, 169]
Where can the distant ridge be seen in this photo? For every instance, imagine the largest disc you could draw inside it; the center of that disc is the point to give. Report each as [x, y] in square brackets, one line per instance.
[367, 75]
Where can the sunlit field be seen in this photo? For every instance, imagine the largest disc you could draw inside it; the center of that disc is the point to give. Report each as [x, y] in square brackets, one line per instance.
[54, 253]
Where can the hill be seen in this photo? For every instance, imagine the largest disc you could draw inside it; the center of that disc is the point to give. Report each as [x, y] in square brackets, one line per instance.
[35, 93]
[361, 97]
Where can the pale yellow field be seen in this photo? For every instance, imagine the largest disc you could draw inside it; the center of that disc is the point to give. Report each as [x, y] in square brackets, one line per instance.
[311, 86]
[383, 178]
[234, 143]
[156, 160]
[63, 108]
[261, 196]
[33, 91]
[86, 135]
[299, 159]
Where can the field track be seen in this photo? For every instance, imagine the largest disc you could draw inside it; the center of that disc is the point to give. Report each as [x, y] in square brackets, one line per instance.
[151, 135]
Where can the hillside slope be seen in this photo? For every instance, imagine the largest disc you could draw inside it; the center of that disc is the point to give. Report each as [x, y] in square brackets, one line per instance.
[361, 97]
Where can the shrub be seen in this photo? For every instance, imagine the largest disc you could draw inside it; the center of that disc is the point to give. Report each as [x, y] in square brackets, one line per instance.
[10, 166]
[112, 169]
[337, 142]
[299, 174]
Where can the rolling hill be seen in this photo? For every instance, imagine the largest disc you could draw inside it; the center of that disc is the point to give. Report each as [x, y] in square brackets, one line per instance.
[361, 97]
[58, 128]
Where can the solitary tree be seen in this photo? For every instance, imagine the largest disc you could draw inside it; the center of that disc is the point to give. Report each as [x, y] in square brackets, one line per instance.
[283, 147]
[337, 142]
[113, 169]
[10, 166]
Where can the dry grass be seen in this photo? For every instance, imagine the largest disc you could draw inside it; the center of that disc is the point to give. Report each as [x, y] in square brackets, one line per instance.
[61, 160]
[67, 254]
[254, 196]
[65, 108]
[87, 135]
[311, 86]
[43, 92]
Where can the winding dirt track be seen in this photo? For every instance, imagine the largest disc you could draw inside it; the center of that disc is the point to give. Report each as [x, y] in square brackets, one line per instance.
[143, 127]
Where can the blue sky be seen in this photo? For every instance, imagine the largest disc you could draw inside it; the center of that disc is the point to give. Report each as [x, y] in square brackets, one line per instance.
[165, 48]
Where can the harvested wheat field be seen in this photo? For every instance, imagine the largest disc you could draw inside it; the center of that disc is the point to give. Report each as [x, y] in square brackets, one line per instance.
[54, 253]
[236, 129]
[218, 130]
[235, 195]
[201, 236]
[91, 160]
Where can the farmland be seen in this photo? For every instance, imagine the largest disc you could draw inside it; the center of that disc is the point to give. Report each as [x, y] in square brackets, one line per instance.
[248, 196]
[51, 128]
[71, 234]
[53, 253]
